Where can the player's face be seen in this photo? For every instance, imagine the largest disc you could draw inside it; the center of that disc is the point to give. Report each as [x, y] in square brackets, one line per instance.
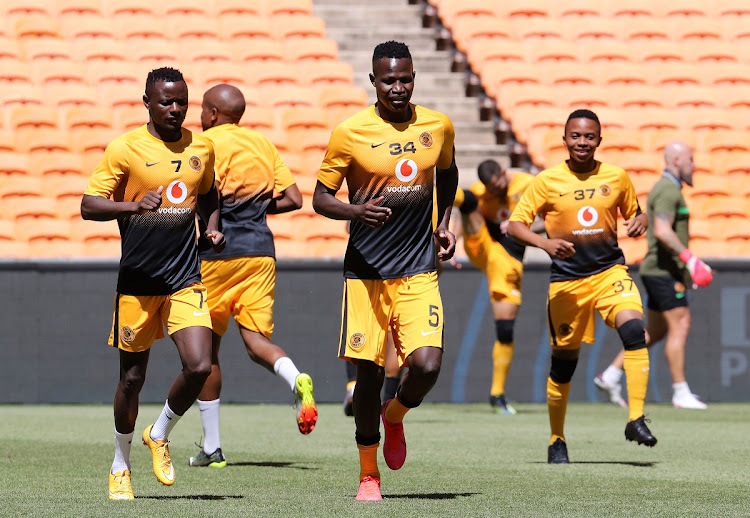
[686, 166]
[167, 105]
[207, 113]
[582, 137]
[394, 83]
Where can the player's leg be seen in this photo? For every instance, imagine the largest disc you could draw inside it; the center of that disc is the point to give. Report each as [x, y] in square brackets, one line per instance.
[208, 404]
[562, 366]
[392, 370]
[678, 324]
[366, 419]
[502, 354]
[351, 382]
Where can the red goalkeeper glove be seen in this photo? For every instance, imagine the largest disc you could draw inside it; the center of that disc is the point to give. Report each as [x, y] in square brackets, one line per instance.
[699, 271]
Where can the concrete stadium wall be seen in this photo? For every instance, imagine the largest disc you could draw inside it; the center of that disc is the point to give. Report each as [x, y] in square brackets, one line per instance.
[56, 318]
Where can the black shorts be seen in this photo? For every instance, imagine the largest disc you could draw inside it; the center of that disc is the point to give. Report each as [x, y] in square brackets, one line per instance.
[665, 292]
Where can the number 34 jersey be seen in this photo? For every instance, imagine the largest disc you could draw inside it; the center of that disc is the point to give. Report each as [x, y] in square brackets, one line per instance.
[581, 209]
[396, 161]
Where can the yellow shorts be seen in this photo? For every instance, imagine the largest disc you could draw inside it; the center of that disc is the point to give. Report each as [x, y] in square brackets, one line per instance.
[571, 305]
[504, 272]
[139, 319]
[242, 287]
[410, 306]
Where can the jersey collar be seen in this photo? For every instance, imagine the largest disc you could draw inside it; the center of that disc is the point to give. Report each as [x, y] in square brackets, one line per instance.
[672, 177]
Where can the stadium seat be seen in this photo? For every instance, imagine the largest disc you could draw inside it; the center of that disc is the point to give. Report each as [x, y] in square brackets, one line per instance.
[88, 27]
[538, 28]
[286, 27]
[87, 117]
[736, 30]
[288, 95]
[56, 164]
[482, 52]
[454, 10]
[573, 11]
[20, 186]
[622, 141]
[301, 119]
[239, 28]
[68, 209]
[20, 94]
[194, 27]
[28, 210]
[36, 26]
[127, 118]
[619, 74]
[497, 75]
[32, 116]
[18, 8]
[284, 7]
[690, 96]
[521, 9]
[115, 95]
[154, 53]
[674, 74]
[311, 49]
[118, 8]
[637, 96]
[66, 186]
[13, 164]
[723, 207]
[198, 50]
[658, 51]
[652, 119]
[182, 7]
[59, 71]
[698, 29]
[326, 73]
[48, 49]
[594, 29]
[137, 27]
[560, 73]
[215, 73]
[656, 140]
[687, 9]
[574, 97]
[640, 164]
[239, 7]
[99, 73]
[511, 96]
[102, 50]
[737, 166]
[467, 32]
[14, 72]
[343, 97]
[550, 50]
[644, 29]
[725, 74]
[259, 119]
[604, 51]
[260, 50]
[632, 10]
[10, 50]
[272, 73]
[712, 51]
[711, 119]
[79, 7]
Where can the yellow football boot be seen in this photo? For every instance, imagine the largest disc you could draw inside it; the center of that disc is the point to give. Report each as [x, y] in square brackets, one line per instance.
[162, 462]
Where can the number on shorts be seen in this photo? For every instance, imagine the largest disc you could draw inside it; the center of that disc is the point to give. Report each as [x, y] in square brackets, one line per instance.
[199, 292]
[434, 313]
[620, 287]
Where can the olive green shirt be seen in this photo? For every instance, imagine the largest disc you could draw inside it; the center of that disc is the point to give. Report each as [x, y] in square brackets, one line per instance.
[666, 198]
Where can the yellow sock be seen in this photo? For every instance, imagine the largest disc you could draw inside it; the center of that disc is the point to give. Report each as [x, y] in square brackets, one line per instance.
[368, 461]
[395, 411]
[557, 405]
[636, 371]
[502, 356]
[350, 385]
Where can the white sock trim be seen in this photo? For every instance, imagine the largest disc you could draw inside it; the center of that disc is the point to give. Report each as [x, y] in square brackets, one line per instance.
[123, 442]
[164, 424]
[210, 422]
[285, 369]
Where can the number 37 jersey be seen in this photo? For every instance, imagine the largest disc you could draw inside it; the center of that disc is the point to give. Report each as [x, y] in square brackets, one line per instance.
[396, 161]
[581, 209]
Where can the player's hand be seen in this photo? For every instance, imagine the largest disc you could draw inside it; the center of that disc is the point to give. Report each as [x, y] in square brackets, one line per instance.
[447, 242]
[218, 241]
[151, 201]
[371, 214]
[700, 272]
[504, 227]
[455, 264]
[559, 248]
[637, 225]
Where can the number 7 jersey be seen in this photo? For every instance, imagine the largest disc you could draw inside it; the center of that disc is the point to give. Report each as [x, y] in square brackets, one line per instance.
[581, 209]
[396, 161]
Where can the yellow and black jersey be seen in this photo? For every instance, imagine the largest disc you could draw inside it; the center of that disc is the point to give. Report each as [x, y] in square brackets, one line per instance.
[582, 209]
[159, 249]
[248, 169]
[396, 161]
[496, 210]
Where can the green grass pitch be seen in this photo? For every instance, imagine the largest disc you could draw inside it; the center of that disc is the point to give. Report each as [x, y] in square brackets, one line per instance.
[463, 461]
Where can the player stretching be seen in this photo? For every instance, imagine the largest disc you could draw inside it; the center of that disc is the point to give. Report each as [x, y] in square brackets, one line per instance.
[388, 154]
[241, 279]
[485, 208]
[578, 200]
[156, 176]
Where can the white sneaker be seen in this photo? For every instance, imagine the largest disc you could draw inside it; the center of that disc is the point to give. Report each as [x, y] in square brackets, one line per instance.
[689, 401]
[614, 391]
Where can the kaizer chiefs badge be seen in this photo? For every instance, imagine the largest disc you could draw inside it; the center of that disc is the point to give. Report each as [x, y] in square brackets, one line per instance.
[127, 334]
[564, 329]
[426, 139]
[357, 341]
[195, 163]
[605, 190]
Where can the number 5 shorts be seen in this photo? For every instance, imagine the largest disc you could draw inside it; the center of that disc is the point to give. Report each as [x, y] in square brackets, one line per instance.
[571, 305]
[410, 307]
[139, 320]
[243, 288]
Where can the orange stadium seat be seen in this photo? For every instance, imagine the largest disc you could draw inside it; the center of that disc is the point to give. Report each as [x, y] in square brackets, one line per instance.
[698, 29]
[725, 207]
[98, 239]
[483, 52]
[652, 119]
[36, 26]
[453, 10]
[10, 50]
[737, 166]
[259, 50]
[103, 72]
[128, 118]
[102, 50]
[297, 26]
[497, 75]
[656, 140]
[26, 210]
[632, 10]
[59, 71]
[326, 73]
[273, 73]
[548, 50]
[730, 8]
[538, 28]
[687, 9]
[67, 185]
[712, 51]
[87, 117]
[573, 96]
[240, 28]
[20, 186]
[594, 29]
[115, 95]
[137, 27]
[180, 7]
[467, 31]
[68, 209]
[281, 7]
[288, 95]
[512, 96]
[239, 7]
[641, 164]
[644, 29]
[47, 49]
[736, 29]
[192, 27]
[637, 96]
[156, 53]
[32, 116]
[87, 27]
[259, 118]
[622, 141]
[620, 74]
[658, 51]
[43, 140]
[311, 49]
[210, 74]
[711, 119]
[303, 118]
[27, 7]
[79, 7]
[574, 10]
[520, 9]
[343, 97]
[724, 141]
[674, 73]
[129, 7]
[20, 94]
[725, 74]
[690, 96]
[13, 164]
[196, 51]
[565, 73]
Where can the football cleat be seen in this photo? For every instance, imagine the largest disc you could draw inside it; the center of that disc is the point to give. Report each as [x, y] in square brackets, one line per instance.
[304, 401]
[557, 453]
[215, 460]
[349, 401]
[689, 401]
[638, 431]
[394, 442]
[160, 458]
[369, 489]
[614, 391]
[501, 406]
[120, 487]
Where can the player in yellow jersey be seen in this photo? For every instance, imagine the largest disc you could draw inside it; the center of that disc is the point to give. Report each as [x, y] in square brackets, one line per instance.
[391, 154]
[579, 200]
[485, 208]
[241, 279]
[152, 180]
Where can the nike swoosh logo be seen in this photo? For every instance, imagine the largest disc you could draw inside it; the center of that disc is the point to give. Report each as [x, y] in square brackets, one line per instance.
[628, 294]
[563, 193]
[149, 165]
[645, 370]
[430, 333]
[376, 145]
[169, 476]
[196, 314]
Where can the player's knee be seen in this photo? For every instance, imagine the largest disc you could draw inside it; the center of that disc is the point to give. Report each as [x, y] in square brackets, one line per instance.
[470, 203]
[198, 372]
[504, 331]
[561, 369]
[633, 335]
[132, 382]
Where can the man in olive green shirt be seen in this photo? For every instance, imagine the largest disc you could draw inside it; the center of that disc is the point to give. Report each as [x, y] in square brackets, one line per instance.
[668, 271]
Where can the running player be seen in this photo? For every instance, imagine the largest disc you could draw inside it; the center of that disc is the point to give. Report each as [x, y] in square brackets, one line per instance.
[485, 208]
[667, 271]
[388, 154]
[151, 180]
[578, 200]
[241, 279]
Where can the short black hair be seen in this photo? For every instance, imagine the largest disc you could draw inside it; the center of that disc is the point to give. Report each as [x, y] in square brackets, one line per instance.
[163, 75]
[391, 49]
[486, 170]
[583, 114]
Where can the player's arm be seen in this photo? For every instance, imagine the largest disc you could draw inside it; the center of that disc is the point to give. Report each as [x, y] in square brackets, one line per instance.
[446, 183]
[664, 233]
[369, 213]
[99, 208]
[290, 199]
[209, 209]
[636, 221]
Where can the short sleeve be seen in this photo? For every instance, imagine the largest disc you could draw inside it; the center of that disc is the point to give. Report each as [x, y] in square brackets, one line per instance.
[446, 152]
[110, 171]
[282, 176]
[336, 162]
[629, 207]
[531, 203]
[664, 201]
[209, 173]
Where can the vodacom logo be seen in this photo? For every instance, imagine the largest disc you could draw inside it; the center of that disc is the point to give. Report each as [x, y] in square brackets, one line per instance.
[177, 192]
[406, 170]
[587, 216]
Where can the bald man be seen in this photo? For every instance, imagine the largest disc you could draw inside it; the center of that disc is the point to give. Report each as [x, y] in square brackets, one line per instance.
[241, 279]
[668, 271]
